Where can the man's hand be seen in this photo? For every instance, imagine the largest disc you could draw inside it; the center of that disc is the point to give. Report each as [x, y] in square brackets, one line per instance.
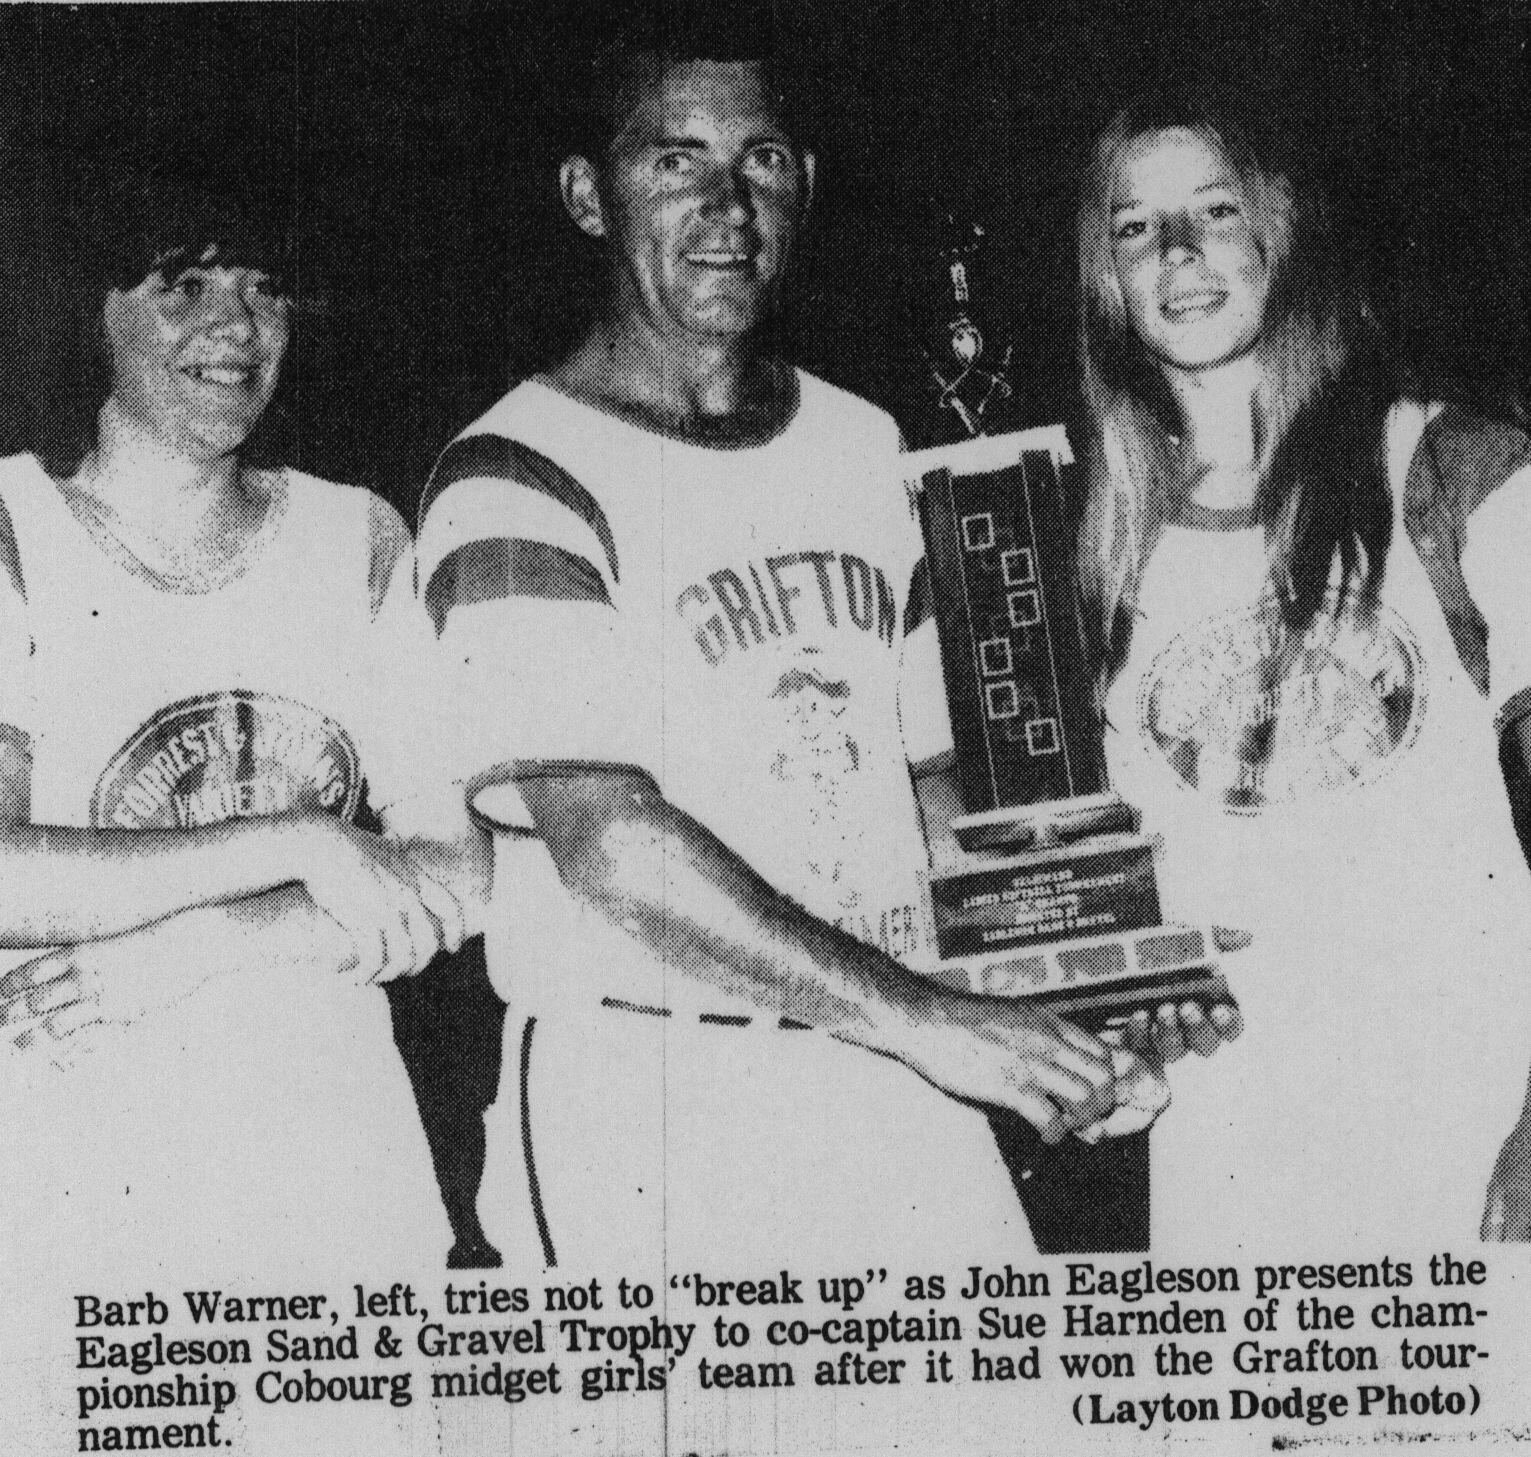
[397, 915]
[1142, 1094]
[1507, 1207]
[1007, 1053]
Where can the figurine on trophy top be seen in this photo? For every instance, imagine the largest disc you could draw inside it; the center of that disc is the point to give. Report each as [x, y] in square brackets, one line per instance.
[970, 380]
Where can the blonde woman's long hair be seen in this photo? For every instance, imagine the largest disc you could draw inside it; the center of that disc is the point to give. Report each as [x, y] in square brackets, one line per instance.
[1322, 494]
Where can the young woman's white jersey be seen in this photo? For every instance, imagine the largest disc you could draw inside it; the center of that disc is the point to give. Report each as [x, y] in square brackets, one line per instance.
[1349, 811]
[265, 1121]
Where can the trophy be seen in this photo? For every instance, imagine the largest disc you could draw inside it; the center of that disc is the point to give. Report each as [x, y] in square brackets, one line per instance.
[1051, 892]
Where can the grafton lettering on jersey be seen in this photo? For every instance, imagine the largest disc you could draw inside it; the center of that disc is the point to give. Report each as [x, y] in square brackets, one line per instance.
[228, 755]
[737, 608]
[1249, 716]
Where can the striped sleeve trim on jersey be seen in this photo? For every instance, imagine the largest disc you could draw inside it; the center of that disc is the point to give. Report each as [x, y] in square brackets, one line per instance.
[10, 554]
[494, 457]
[1516, 707]
[493, 570]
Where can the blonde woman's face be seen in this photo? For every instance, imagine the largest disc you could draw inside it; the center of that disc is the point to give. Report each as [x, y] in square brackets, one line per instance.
[1188, 259]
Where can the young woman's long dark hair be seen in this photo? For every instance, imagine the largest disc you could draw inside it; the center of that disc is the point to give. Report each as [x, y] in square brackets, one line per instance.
[1320, 406]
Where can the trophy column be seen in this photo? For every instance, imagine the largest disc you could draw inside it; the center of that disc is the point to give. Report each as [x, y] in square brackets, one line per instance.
[1052, 895]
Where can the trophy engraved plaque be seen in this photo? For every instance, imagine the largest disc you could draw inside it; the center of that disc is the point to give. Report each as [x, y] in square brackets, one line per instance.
[1052, 895]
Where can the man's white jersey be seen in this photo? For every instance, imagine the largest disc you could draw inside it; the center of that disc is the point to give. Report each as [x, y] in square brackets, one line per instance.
[732, 622]
[737, 627]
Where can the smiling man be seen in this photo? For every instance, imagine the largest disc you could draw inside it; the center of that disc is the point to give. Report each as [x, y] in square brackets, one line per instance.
[673, 576]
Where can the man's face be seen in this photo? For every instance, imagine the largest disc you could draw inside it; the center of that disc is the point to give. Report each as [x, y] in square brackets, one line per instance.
[700, 198]
[195, 357]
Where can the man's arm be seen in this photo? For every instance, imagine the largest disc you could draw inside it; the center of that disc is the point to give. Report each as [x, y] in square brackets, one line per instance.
[643, 864]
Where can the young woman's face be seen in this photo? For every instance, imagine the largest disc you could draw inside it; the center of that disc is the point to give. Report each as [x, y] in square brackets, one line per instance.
[196, 356]
[1190, 264]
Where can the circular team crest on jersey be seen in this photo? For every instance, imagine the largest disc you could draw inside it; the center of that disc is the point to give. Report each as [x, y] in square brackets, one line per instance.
[224, 756]
[1249, 716]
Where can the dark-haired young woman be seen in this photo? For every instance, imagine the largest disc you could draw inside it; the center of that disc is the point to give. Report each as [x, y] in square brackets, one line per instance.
[1309, 591]
[218, 697]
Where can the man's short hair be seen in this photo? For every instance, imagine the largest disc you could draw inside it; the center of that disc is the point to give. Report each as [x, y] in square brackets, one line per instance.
[668, 34]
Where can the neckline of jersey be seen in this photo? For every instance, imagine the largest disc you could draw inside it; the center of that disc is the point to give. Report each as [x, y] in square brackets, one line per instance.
[677, 437]
[1195, 517]
[95, 530]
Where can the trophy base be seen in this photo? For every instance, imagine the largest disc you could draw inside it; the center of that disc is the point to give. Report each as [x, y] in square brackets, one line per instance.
[1100, 981]
[1051, 822]
[1072, 923]
[992, 906]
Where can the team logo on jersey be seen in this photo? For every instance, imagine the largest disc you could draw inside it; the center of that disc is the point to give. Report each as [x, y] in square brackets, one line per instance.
[224, 756]
[1248, 715]
[815, 752]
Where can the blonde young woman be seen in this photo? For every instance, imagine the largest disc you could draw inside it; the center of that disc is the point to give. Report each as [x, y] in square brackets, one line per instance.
[1294, 689]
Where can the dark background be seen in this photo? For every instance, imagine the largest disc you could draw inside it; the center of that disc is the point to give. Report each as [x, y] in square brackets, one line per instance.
[417, 146]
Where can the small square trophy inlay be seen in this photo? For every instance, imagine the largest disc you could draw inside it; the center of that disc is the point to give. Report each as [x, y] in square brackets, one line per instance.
[996, 658]
[978, 532]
